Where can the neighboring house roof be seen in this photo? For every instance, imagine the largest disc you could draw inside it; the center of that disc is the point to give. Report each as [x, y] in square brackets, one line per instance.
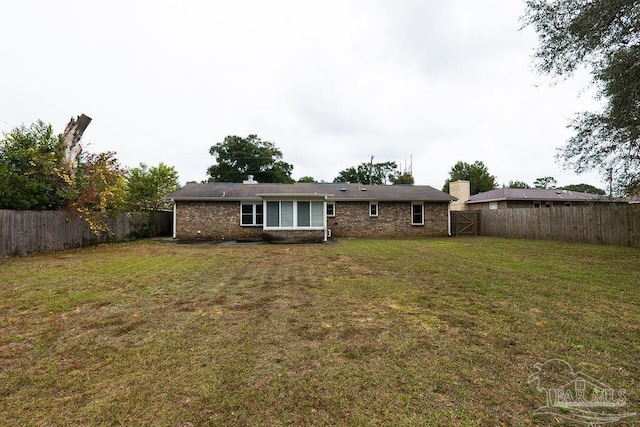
[219, 191]
[633, 199]
[536, 194]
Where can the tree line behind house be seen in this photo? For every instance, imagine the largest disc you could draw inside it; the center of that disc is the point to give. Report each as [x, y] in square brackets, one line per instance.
[36, 175]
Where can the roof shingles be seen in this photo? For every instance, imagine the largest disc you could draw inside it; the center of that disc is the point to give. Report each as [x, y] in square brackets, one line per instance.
[535, 194]
[218, 191]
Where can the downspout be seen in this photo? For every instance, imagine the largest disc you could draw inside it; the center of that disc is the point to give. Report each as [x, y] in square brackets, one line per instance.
[324, 216]
[174, 217]
[449, 218]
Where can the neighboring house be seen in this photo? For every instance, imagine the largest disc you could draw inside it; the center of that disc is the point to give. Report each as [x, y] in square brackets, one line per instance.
[505, 198]
[632, 200]
[308, 211]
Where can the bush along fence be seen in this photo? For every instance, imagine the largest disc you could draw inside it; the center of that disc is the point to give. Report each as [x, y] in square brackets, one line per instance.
[598, 223]
[24, 232]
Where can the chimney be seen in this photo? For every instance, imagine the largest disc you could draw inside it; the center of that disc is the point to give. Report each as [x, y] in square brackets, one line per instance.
[249, 180]
[462, 191]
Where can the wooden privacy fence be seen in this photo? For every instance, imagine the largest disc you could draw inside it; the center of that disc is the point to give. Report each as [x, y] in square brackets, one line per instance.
[596, 223]
[23, 232]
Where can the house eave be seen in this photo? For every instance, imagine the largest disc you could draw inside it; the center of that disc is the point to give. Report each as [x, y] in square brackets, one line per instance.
[216, 199]
[327, 197]
[293, 196]
[540, 199]
[502, 199]
[389, 199]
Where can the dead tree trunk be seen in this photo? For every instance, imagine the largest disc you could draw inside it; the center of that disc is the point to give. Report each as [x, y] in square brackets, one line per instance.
[71, 139]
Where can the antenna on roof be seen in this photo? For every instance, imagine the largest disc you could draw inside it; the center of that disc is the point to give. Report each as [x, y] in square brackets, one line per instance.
[371, 171]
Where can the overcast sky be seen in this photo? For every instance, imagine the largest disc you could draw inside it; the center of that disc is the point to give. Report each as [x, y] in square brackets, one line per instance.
[329, 82]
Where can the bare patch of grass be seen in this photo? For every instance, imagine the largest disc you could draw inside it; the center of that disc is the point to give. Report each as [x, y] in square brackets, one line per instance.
[364, 332]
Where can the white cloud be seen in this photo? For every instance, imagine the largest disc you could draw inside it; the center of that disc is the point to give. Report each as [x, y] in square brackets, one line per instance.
[330, 83]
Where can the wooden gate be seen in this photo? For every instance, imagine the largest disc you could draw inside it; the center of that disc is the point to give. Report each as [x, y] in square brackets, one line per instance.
[465, 223]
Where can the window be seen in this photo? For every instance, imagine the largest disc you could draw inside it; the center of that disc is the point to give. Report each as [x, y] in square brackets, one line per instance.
[304, 214]
[373, 208]
[295, 214]
[331, 209]
[251, 214]
[493, 205]
[542, 204]
[417, 214]
[286, 214]
[317, 217]
[273, 214]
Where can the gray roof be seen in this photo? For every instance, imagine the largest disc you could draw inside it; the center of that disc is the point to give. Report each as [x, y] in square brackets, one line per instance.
[218, 191]
[633, 199]
[536, 194]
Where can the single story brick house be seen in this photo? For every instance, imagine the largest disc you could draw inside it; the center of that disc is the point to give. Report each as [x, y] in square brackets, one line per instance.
[308, 211]
[509, 198]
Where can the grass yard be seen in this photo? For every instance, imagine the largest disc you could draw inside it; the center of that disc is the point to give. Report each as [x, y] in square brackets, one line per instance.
[362, 332]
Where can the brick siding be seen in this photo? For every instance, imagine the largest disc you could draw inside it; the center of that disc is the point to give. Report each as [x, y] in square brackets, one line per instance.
[214, 220]
[394, 220]
[221, 221]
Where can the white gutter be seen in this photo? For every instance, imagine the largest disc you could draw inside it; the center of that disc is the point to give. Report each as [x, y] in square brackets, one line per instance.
[449, 218]
[174, 217]
[324, 218]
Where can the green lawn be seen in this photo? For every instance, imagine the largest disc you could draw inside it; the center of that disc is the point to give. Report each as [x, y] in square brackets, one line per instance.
[361, 332]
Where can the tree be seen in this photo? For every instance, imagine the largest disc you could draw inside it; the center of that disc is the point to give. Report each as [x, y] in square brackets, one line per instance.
[602, 35]
[545, 183]
[518, 184]
[148, 187]
[584, 188]
[403, 178]
[37, 172]
[367, 173]
[99, 189]
[237, 157]
[30, 173]
[307, 179]
[477, 174]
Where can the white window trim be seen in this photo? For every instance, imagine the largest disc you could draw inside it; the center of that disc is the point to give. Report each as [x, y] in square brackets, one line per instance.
[254, 204]
[295, 216]
[421, 204]
[334, 209]
[377, 209]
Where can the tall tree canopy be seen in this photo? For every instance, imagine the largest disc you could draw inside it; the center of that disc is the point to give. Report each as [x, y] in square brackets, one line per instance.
[402, 178]
[238, 157]
[518, 184]
[30, 163]
[476, 173]
[603, 35]
[147, 187]
[545, 183]
[307, 179]
[584, 188]
[368, 173]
